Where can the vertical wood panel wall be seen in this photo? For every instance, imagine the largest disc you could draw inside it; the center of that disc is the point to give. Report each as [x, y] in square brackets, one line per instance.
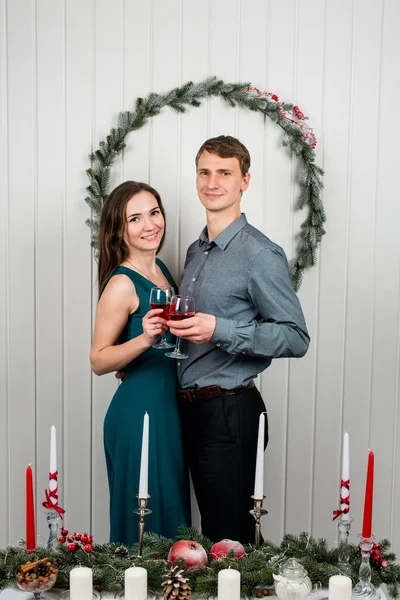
[66, 69]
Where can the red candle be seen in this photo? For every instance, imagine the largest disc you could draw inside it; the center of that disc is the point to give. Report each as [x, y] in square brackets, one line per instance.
[369, 494]
[30, 512]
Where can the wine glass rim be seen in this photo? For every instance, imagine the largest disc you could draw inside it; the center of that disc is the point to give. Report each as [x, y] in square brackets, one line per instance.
[162, 287]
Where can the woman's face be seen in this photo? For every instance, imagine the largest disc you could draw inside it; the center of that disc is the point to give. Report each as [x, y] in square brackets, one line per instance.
[144, 222]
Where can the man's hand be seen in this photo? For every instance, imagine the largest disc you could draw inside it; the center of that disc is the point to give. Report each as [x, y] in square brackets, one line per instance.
[198, 329]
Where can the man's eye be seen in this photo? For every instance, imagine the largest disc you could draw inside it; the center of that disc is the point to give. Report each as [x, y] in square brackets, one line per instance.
[226, 173]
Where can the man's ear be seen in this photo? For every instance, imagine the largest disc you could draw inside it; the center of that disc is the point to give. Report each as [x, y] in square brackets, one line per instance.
[245, 183]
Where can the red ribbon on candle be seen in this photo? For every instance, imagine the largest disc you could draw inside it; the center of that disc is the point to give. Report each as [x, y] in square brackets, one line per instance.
[369, 494]
[30, 512]
[49, 504]
[345, 500]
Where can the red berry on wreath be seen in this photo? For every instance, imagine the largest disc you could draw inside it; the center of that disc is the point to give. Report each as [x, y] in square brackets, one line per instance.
[78, 536]
[84, 539]
[71, 538]
[90, 539]
[64, 531]
[61, 539]
[88, 547]
[71, 547]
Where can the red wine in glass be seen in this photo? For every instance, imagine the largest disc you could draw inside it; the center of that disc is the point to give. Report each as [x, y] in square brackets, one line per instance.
[181, 316]
[160, 297]
[165, 306]
[182, 307]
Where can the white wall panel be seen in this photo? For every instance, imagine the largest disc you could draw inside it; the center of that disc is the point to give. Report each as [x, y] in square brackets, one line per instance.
[335, 127]
[22, 235]
[75, 452]
[4, 451]
[49, 217]
[66, 69]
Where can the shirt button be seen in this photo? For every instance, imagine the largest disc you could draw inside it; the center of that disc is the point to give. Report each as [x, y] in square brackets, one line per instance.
[218, 345]
[194, 279]
[243, 352]
[179, 364]
[206, 252]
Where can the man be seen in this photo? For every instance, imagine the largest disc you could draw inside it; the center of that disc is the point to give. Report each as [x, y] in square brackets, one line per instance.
[247, 314]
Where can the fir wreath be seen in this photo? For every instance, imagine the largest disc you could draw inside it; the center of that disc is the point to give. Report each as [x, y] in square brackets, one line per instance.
[109, 562]
[297, 137]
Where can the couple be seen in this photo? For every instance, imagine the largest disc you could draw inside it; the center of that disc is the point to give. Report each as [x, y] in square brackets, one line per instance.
[247, 314]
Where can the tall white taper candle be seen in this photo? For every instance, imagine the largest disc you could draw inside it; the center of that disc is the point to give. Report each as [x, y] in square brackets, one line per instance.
[135, 583]
[259, 478]
[53, 461]
[344, 492]
[144, 461]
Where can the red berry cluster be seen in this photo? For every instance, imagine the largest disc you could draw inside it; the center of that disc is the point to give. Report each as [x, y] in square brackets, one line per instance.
[298, 113]
[376, 557]
[76, 541]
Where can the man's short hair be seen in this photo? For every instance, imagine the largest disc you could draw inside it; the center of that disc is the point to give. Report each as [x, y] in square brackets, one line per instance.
[227, 146]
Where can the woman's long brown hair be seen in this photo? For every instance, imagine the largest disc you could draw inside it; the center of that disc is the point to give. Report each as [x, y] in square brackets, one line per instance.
[111, 247]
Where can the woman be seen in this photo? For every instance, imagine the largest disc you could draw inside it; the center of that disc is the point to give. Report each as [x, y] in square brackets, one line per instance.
[131, 232]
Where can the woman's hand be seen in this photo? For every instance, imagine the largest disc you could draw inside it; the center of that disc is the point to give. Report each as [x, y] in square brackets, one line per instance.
[153, 325]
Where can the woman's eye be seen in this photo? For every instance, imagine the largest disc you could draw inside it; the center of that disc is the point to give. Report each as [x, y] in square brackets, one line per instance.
[155, 212]
[133, 220]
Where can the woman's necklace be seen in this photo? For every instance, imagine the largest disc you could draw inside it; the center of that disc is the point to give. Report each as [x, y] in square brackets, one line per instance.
[137, 268]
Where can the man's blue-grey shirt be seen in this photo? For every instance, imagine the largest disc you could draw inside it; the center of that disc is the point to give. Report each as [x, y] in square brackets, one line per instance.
[242, 278]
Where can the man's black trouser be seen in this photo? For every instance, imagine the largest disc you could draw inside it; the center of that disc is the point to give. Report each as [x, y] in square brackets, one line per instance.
[220, 442]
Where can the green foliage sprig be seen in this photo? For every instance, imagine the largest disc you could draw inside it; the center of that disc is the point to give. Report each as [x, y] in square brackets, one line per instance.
[234, 94]
[257, 567]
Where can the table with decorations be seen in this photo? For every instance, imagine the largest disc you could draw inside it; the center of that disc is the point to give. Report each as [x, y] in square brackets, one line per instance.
[72, 566]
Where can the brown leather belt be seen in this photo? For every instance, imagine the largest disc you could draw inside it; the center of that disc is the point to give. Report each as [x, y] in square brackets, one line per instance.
[208, 393]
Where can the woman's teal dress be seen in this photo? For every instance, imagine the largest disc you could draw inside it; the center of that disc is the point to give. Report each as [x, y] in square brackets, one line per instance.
[149, 386]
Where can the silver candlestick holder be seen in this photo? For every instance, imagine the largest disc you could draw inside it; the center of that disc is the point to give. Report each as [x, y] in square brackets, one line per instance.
[364, 587]
[142, 511]
[258, 511]
[52, 518]
[344, 526]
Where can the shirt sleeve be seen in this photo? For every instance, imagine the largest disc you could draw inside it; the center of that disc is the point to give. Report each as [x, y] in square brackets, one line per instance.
[278, 329]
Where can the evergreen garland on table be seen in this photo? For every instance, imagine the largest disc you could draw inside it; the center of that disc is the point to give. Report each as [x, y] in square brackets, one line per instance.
[256, 568]
[296, 136]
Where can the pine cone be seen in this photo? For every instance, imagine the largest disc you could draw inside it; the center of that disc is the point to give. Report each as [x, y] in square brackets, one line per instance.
[121, 551]
[176, 586]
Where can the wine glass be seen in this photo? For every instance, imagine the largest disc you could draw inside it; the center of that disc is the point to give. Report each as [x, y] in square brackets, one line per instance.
[160, 297]
[182, 307]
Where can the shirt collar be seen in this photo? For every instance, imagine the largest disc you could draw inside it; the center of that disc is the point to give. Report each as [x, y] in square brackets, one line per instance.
[222, 240]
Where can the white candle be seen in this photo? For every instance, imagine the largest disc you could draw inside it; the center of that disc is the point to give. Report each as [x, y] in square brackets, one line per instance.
[144, 461]
[339, 587]
[53, 461]
[344, 492]
[259, 479]
[135, 583]
[228, 584]
[81, 583]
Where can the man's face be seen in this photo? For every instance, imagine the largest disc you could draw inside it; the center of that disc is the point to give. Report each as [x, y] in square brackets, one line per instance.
[220, 183]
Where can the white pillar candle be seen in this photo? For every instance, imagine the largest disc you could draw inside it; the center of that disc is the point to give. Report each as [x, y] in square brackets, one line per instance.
[228, 584]
[81, 583]
[340, 587]
[144, 461]
[135, 583]
[344, 492]
[259, 478]
[53, 461]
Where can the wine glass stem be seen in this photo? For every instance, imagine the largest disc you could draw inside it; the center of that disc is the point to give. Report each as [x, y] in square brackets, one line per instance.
[178, 345]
